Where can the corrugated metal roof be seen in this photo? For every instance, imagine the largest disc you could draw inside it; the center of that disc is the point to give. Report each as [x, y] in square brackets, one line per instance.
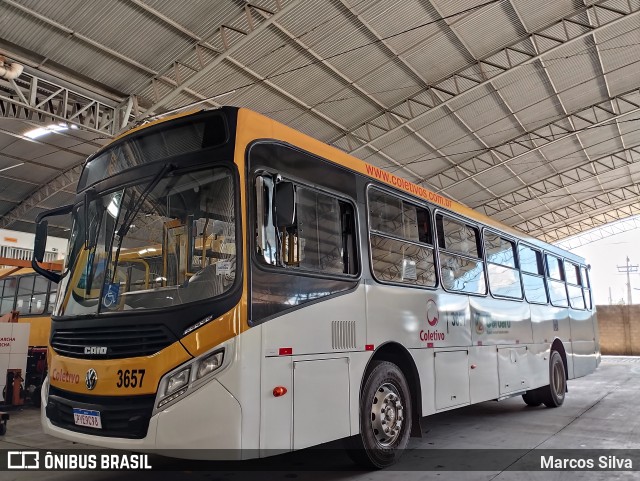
[338, 67]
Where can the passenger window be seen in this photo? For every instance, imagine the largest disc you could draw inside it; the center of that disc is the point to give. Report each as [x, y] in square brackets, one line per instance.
[557, 288]
[504, 278]
[25, 291]
[7, 291]
[586, 287]
[461, 268]
[532, 274]
[555, 270]
[574, 289]
[401, 241]
[321, 237]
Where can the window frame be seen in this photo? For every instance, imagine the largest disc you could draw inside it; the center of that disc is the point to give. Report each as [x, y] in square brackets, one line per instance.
[516, 261]
[417, 203]
[549, 278]
[15, 293]
[543, 275]
[579, 285]
[473, 225]
[297, 271]
[585, 269]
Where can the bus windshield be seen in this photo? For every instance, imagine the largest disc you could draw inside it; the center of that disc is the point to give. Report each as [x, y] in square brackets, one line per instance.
[166, 241]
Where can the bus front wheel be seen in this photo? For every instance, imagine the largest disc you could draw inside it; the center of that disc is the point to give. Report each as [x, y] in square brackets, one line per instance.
[385, 417]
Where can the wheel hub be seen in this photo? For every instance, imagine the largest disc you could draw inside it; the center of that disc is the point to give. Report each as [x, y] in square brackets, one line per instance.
[387, 415]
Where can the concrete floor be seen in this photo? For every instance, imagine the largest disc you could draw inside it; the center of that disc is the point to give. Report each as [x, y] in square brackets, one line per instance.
[600, 412]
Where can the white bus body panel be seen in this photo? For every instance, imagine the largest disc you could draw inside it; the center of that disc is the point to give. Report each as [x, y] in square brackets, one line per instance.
[320, 401]
[452, 378]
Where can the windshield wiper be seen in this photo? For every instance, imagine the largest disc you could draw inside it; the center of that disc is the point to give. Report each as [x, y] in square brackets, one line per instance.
[131, 213]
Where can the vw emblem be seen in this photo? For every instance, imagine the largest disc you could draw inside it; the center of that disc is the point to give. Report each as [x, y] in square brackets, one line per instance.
[91, 379]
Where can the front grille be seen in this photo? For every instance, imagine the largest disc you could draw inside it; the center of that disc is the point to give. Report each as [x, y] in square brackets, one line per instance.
[119, 341]
[121, 416]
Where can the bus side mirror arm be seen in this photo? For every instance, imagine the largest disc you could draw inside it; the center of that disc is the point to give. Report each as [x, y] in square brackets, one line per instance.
[40, 242]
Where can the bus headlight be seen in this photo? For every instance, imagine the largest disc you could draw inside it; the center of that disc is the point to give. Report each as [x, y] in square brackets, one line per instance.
[209, 364]
[178, 380]
[190, 376]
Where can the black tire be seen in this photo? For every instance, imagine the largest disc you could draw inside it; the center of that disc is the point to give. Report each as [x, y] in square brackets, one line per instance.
[382, 438]
[3, 428]
[531, 398]
[553, 394]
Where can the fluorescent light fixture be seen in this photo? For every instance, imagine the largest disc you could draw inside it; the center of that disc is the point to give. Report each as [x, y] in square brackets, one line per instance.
[12, 167]
[40, 131]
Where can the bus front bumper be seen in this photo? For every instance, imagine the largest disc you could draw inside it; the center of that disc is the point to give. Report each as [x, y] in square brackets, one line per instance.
[206, 424]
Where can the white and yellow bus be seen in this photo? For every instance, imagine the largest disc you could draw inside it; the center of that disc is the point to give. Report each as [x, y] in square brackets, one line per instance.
[234, 284]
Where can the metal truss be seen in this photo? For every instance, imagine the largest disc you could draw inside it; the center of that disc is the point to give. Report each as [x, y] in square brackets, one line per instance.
[66, 180]
[599, 233]
[228, 39]
[590, 117]
[603, 219]
[619, 197]
[34, 98]
[563, 179]
[523, 52]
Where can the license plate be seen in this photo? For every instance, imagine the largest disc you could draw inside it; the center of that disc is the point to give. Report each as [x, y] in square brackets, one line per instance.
[85, 417]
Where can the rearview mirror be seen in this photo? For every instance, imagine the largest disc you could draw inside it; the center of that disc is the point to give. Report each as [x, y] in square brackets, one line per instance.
[40, 242]
[285, 204]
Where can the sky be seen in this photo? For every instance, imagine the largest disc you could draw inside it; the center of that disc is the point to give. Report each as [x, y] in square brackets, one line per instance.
[604, 256]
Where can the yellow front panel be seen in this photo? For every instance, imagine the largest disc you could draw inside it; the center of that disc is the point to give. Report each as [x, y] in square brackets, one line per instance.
[69, 373]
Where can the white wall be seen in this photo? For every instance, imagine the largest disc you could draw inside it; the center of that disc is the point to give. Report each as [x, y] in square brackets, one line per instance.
[24, 240]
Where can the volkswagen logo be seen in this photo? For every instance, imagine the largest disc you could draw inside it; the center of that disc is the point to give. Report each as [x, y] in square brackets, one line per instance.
[91, 379]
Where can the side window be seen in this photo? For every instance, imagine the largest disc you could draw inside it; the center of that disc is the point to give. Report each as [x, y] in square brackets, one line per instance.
[25, 291]
[504, 278]
[401, 241]
[557, 289]
[574, 285]
[39, 297]
[532, 274]
[461, 266]
[319, 236]
[7, 291]
[586, 287]
[53, 288]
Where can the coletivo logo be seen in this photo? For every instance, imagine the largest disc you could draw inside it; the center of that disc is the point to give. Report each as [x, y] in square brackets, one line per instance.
[432, 313]
[65, 376]
[96, 350]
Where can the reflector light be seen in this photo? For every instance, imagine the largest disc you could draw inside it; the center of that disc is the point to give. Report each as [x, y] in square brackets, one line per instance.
[279, 391]
[429, 344]
[285, 351]
[368, 347]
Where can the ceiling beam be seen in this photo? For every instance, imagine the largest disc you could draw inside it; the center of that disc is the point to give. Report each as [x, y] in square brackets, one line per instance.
[561, 181]
[63, 181]
[587, 207]
[599, 233]
[600, 220]
[547, 135]
[495, 61]
[207, 68]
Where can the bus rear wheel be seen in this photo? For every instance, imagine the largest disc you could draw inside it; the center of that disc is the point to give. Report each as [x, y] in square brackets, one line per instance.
[553, 394]
[385, 417]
